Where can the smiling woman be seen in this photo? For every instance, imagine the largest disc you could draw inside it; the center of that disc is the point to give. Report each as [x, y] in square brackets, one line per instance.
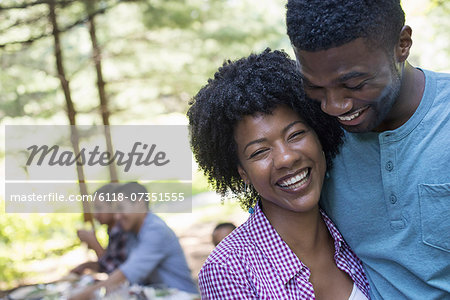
[281, 157]
[255, 136]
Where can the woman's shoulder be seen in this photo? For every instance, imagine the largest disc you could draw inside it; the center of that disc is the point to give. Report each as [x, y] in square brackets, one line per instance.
[237, 246]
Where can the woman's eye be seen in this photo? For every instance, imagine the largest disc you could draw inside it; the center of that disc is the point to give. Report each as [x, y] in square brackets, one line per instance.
[257, 153]
[296, 134]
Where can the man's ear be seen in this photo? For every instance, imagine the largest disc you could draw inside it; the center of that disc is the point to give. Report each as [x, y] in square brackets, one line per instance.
[243, 174]
[404, 44]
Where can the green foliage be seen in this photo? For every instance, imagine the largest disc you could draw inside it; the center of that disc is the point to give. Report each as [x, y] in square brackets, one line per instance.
[25, 238]
[155, 54]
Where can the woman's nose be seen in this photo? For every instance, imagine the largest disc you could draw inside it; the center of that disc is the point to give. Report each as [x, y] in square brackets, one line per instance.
[285, 157]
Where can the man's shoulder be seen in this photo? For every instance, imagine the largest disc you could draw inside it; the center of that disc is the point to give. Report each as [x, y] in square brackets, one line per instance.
[155, 226]
[440, 75]
[441, 79]
[437, 94]
[154, 221]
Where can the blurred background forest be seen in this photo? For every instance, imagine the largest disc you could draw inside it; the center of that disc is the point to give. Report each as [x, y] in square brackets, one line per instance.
[134, 62]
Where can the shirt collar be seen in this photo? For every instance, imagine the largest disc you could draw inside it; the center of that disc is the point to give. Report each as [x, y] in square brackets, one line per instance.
[281, 257]
[335, 234]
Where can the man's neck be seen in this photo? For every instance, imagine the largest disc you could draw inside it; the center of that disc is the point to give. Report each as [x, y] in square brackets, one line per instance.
[410, 95]
[140, 222]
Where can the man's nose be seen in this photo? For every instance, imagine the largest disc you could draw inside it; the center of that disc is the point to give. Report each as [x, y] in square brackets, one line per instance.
[336, 102]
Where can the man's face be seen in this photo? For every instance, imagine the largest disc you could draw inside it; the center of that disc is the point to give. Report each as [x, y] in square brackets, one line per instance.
[355, 83]
[129, 215]
[103, 212]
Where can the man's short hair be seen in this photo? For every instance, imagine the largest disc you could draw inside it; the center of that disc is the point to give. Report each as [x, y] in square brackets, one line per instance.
[314, 25]
[104, 193]
[135, 193]
[225, 225]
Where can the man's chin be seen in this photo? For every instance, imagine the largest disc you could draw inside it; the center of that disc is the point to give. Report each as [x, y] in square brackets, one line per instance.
[356, 129]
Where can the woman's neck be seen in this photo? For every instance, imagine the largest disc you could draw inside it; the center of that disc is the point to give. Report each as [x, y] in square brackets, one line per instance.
[304, 232]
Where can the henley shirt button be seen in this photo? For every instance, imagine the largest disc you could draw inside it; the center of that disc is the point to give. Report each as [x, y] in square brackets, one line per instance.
[389, 166]
[393, 199]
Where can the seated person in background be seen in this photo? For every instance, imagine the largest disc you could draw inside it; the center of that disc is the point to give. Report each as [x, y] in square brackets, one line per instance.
[254, 135]
[221, 231]
[155, 256]
[116, 252]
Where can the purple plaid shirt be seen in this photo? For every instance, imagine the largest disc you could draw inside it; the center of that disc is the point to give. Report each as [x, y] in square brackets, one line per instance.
[253, 262]
[116, 252]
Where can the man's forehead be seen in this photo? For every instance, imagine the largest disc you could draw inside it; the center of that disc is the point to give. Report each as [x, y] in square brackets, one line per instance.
[342, 63]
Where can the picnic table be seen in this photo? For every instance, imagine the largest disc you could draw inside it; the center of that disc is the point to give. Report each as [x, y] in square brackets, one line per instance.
[72, 284]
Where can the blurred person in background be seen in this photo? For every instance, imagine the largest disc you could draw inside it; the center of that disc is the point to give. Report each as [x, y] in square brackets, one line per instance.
[221, 231]
[116, 251]
[155, 254]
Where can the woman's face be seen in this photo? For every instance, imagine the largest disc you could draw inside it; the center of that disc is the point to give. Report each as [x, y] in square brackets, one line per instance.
[281, 156]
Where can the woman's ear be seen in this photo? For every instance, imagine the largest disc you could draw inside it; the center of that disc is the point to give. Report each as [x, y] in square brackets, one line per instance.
[243, 174]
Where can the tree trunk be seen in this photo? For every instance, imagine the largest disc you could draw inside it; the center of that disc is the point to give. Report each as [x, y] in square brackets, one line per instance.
[97, 59]
[71, 113]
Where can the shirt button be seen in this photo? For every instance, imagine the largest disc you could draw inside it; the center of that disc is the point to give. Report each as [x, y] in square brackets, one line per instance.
[393, 199]
[389, 166]
[353, 271]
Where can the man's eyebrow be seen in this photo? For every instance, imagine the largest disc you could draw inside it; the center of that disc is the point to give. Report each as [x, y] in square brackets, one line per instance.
[341, 78]
[303, 78]
[351, 75]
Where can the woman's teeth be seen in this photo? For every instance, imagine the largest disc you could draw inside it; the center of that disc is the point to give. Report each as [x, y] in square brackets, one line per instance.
[296, 181]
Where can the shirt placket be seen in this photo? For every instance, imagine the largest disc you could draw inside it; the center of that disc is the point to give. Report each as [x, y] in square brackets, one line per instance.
[304, 286]
[389, 173]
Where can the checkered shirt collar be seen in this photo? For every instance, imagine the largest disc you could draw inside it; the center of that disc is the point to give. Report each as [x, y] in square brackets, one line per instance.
[281, 257]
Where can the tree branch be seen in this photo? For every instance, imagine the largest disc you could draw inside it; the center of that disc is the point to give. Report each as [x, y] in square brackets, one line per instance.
[24, 22]
[38, 2]
[67, 28]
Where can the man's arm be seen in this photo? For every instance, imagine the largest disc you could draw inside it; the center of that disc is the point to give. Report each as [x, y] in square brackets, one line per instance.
[154, 245]
[88, 236]
[93, 265]
[112, 283]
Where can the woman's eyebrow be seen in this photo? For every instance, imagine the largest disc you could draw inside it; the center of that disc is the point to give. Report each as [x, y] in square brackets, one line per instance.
[254, 142]
[291, 125]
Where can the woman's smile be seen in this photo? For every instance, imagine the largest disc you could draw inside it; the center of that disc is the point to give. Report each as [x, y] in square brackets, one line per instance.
[295, 182]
